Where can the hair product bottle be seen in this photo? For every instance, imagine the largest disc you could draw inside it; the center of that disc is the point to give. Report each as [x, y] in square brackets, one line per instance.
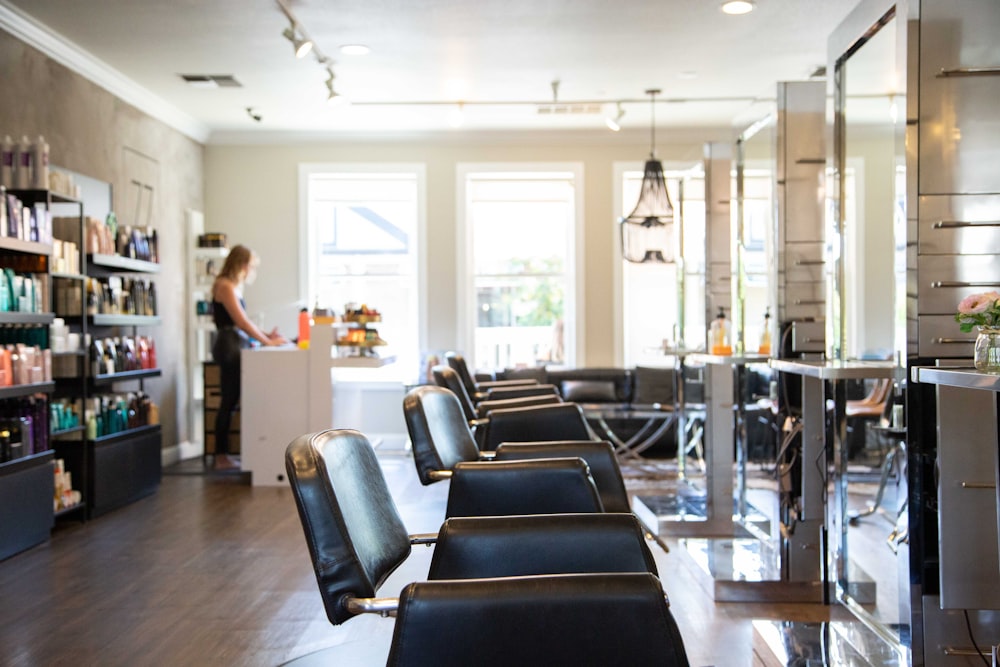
[719, 334]
[765, 334]
[7, 150]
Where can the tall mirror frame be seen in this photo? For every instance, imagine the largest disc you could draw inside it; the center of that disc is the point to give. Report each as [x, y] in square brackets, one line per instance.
[882, 604]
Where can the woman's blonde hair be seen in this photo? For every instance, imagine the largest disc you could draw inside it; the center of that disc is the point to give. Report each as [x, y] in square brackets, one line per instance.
[237, 261]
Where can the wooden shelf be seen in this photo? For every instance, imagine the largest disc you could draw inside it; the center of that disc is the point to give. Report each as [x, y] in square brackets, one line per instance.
[19, 390]
[362, 362]
[28, 247]
[115, 320]
[125, 435]
[24, 462]
[67, 431]
[70, 510]
[35, 195]
[111, 378]
[26, 318]
[68, 276]
[125, 264]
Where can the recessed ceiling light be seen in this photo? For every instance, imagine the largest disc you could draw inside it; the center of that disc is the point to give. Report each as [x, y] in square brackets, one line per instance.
[354, 50]
[738, 6]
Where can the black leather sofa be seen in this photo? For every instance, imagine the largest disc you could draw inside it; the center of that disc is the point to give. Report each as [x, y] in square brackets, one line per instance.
[622, 397]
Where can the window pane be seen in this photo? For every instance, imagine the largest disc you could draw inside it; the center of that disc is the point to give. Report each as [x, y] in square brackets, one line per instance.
[521, 227]
[362, 251]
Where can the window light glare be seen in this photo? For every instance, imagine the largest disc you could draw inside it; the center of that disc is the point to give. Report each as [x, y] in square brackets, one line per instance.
[737, 7]
[355, 50]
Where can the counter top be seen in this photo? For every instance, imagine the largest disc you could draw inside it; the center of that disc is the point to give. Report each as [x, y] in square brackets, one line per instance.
[837, 370]
[967, 378]
[727, 359]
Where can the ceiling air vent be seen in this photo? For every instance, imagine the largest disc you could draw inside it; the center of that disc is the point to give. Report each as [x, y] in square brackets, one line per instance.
[211, 80]
[569, 109]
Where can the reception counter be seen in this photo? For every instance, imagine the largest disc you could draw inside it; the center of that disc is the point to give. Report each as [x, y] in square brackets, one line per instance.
[287, 392]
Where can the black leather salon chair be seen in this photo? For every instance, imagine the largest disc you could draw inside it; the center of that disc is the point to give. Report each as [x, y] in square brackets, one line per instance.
[446, 377]
[356, 537]
[564, 620]
[600, 458]
[494, 390]
[503, 590]
[564, 421]
[443, 448]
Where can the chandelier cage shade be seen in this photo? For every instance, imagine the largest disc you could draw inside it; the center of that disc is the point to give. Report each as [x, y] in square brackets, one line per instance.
[648, 231]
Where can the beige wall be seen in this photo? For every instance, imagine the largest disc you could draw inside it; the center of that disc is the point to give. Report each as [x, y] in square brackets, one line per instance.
[251, 194]
[88, 131]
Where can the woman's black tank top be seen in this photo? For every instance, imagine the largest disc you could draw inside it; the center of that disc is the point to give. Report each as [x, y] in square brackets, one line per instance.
[221, 316]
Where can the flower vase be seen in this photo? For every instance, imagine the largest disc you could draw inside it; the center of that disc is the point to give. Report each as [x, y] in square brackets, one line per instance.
[987, 352]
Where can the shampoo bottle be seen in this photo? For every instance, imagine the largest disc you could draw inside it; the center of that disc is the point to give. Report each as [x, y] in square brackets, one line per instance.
[7, 151]
[40, 164]
[719, 335]
[765, 334]
[23, 168]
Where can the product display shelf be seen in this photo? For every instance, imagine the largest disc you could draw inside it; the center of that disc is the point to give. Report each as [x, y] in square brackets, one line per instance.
[26, 483]
[26, 490]
[356, 343]
[114, 469]
[212, 383]
[203, 264]
[124, 465]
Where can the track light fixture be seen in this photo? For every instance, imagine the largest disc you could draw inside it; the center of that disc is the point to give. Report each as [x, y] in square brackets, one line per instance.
[614, 124]
[333, 98]
[297, 35]
[301, 45]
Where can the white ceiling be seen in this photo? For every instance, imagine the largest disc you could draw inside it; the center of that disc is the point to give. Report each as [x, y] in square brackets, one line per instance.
[715, 70]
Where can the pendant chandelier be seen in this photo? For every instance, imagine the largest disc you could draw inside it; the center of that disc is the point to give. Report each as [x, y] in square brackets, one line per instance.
[648, 231]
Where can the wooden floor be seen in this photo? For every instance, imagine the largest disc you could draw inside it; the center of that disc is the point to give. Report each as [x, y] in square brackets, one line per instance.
[211, 571]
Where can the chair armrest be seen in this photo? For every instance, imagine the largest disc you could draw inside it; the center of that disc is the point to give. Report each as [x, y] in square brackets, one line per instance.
[509, 546]
[539, 486]
[380, 606]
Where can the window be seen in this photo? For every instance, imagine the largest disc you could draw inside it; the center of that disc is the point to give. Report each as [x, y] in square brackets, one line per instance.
[758, 216]
[520, 233]
[363, 247]
[650, 291]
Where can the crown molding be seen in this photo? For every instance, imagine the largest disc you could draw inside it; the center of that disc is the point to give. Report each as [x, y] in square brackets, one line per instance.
[71, 56]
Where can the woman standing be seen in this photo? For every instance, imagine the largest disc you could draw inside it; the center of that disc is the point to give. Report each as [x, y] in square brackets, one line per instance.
[234, 332]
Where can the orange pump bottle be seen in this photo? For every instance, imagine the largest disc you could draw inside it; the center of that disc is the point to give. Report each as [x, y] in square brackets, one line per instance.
[304, 328]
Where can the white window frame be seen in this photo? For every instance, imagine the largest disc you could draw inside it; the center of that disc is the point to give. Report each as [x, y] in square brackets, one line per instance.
[465, 288]
[419, 169]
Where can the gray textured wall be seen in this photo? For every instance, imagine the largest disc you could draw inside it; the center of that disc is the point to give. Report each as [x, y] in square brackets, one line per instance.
[89, 131]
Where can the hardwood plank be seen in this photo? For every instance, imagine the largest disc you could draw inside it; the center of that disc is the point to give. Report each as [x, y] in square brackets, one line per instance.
[212, 571]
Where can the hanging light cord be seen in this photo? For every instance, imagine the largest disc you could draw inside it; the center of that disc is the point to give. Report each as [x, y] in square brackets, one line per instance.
[652, 92]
